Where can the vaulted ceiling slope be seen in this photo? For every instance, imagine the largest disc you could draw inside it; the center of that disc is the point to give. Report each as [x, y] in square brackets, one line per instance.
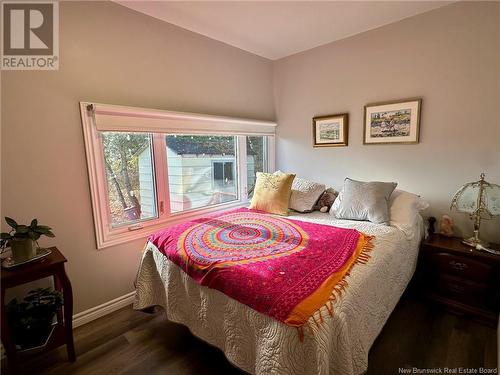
[276, 29]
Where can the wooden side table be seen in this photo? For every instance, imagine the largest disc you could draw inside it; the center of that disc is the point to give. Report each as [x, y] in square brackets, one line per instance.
[464, 280]
[51, 265]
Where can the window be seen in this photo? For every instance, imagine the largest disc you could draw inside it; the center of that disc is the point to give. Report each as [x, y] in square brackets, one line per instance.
[151, 168]
[223, 174]
[257, 160]
[201, 170]
[128, 162]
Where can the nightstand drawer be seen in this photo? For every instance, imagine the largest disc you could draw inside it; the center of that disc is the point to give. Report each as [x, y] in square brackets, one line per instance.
[465, 281]
[468, 292]
[461, 266]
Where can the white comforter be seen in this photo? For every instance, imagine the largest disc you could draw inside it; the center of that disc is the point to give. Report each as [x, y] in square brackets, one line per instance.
[259, 344]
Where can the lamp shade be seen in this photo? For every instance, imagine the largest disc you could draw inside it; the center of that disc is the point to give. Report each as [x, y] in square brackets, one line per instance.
[479, 198]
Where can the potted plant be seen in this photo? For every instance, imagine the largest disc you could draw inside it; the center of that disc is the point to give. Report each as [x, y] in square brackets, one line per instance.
[31, 320]
[23, 238]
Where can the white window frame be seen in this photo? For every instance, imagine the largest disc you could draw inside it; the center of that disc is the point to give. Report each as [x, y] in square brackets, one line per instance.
[103, 117]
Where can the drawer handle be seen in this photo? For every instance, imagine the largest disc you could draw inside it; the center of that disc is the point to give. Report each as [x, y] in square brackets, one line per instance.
[458, 265]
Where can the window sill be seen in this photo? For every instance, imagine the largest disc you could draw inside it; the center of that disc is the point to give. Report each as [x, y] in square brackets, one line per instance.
[125, 235]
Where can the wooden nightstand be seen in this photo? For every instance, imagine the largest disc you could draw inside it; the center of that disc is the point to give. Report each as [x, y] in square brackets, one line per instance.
[52, 265]
[466, 282]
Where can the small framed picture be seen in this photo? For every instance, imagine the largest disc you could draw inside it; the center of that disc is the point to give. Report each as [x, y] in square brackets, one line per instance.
[392, 122]
[330, 131]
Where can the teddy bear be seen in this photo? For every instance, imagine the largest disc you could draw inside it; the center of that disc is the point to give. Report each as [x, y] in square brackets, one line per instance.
[326, 200]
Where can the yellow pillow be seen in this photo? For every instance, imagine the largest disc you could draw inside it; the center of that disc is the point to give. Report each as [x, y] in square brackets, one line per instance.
[272, 193]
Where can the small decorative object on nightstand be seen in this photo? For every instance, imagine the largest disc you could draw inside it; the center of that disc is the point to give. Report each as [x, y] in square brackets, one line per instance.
[446, 226]
[430, 229]
[465, 282]
[481, 200]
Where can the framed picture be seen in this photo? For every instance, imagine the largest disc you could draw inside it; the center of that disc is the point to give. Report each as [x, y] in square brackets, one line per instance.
[330, 131]
[392, 122]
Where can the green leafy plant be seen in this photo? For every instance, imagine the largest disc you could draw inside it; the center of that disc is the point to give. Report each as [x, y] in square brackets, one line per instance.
[20, 231]
[31, 320]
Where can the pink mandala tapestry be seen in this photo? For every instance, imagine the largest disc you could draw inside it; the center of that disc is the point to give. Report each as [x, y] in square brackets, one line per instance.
[241, 237]
[286, 269]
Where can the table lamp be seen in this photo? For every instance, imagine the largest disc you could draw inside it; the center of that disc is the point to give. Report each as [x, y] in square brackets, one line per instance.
[481, 200]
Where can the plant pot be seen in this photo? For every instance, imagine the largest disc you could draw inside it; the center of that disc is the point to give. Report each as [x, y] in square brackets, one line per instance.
[22, 249]
[27, 337]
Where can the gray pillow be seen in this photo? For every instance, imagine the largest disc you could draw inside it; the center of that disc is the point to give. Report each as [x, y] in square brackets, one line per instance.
[364, 201]
[304, 194]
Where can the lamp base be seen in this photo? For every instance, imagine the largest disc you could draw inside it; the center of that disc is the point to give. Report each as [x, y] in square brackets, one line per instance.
[473, 242]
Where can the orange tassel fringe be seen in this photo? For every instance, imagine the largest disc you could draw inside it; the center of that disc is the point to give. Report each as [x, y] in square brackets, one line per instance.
[337, 292]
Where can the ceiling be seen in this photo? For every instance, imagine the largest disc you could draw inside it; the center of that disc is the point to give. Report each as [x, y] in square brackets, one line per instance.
[275, 29]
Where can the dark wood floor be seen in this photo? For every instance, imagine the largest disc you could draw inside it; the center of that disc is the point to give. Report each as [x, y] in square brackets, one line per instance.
[130, 342]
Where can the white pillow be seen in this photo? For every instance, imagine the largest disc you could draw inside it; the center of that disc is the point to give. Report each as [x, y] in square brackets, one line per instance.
[404, 209]
[304, 194]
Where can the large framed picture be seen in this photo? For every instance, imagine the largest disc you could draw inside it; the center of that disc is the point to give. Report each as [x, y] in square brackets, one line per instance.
[392, 122]
[330, 131]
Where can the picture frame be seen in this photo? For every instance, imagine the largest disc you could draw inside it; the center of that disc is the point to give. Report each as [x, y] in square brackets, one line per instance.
[392, 122]
[331, 130]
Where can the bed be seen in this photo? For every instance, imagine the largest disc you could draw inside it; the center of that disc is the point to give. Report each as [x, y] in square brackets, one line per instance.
[259, 344]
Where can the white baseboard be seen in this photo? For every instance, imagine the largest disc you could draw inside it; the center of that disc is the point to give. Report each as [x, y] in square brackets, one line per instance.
[106, 308]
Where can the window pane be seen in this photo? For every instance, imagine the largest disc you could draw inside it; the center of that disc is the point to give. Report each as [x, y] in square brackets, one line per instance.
[201, 170]
[130, 176]
[256, 160]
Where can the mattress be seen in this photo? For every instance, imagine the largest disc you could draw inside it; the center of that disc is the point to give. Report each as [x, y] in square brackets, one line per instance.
[259, 344]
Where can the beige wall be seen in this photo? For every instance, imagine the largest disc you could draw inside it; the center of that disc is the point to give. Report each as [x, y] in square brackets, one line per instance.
[109, 54]
[450, 57]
